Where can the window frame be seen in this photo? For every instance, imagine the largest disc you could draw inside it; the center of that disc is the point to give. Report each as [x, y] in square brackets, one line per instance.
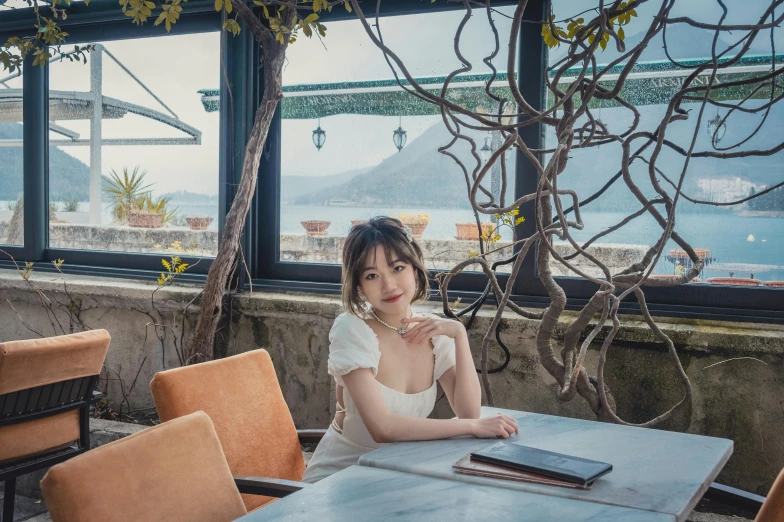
[104, 21]
[703, 301]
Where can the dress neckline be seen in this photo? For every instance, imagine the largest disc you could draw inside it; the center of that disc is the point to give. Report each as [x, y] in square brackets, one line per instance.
[406, 394]
[378, 349]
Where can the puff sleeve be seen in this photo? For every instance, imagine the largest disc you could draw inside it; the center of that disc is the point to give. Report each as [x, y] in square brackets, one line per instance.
[352, 344]
[444, 351]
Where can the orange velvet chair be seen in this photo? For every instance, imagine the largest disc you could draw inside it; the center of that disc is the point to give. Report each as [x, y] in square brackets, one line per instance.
[175, 471]
[46, 389]
[242, 396]
[773, 507]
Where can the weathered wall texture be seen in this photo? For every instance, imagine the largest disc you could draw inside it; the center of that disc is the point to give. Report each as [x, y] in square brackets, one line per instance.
[739, 399]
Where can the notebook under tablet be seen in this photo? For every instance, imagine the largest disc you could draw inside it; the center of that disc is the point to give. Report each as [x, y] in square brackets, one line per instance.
[547, 463]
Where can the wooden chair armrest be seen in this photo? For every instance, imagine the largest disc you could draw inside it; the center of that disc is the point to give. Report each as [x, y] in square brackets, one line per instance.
[311, 436]
[268, 487]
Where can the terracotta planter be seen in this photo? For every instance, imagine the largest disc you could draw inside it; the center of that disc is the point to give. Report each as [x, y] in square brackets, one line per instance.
[416, 229]
[735, 281]
[316, 228]
[198, 223]
[469, 230]
[355, 222]
[142, 220]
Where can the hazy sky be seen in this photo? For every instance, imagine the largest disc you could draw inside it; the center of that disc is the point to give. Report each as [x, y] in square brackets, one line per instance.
[175, 67]
[184, 64]
[347, 54]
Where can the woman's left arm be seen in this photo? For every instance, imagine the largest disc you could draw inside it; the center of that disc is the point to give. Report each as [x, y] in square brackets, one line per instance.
[460, 382]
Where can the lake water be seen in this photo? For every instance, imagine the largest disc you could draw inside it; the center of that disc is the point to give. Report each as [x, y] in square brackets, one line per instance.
[725, 234]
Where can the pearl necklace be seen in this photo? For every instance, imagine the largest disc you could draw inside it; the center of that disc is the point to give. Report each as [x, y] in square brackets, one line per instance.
[401, 331]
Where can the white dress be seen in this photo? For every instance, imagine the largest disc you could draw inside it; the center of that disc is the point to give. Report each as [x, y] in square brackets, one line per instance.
[353, 344]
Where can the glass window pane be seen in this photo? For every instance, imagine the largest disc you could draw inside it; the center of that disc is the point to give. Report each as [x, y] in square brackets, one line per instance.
[739, 241]
[11, 174]
[142, 174]
[344, 120]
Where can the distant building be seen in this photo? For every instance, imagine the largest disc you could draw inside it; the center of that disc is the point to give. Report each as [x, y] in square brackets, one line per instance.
[723, 190]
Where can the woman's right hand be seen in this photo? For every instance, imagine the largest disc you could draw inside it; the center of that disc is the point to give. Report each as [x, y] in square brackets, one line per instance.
[499, 425]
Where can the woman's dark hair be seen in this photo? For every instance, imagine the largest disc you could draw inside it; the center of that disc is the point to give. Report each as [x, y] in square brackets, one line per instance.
[361, 243]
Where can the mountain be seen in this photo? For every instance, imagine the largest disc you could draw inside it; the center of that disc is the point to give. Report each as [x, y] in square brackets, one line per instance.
[183, 196]
[418, 176]
[68, 177]
[292, 187]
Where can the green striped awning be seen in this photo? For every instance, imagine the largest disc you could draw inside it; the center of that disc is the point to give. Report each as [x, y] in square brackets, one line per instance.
[650, 83]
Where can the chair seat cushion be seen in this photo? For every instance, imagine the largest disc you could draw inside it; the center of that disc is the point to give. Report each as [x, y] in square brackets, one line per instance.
[38, 436]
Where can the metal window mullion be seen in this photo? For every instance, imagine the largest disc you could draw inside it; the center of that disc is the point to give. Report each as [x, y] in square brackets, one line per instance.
[531, 66]
[35, 159]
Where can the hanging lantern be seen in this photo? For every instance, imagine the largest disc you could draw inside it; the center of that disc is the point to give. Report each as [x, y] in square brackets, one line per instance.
[486, 150]
[399, 136]
[319, 136]
[716, 129]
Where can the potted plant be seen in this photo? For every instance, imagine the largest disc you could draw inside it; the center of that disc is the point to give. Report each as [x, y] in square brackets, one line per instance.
[149, 213]
[315, 227]
[416, 222]
[468, 231]
[198, 223]
[126, 191]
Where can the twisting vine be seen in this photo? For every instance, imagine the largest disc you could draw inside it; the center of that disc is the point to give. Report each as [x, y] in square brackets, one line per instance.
[575, 127]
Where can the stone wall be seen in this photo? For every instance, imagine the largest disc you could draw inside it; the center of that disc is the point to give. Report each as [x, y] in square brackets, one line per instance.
[439, 253]
[737, 370]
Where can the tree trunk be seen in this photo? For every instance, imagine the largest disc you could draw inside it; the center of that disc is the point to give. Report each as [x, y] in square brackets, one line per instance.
[200, 346]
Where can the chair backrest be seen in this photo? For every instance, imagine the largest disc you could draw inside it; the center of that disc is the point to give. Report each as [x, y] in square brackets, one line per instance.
[242, 396]
[175, 471]
[773, 507]
[39, 377]
[38, 362]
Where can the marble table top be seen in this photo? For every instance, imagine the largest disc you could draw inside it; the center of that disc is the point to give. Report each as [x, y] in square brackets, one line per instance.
[372, 494]
[653, 470]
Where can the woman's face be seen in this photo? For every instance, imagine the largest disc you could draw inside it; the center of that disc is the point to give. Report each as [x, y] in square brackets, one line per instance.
[389, 285]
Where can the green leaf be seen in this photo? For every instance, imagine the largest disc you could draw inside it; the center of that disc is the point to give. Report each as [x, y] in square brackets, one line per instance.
[232, 26]
[218, 5]
[347, 5]
[311, 18]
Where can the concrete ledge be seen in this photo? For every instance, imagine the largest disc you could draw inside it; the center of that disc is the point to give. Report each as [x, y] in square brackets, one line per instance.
[440, 253]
